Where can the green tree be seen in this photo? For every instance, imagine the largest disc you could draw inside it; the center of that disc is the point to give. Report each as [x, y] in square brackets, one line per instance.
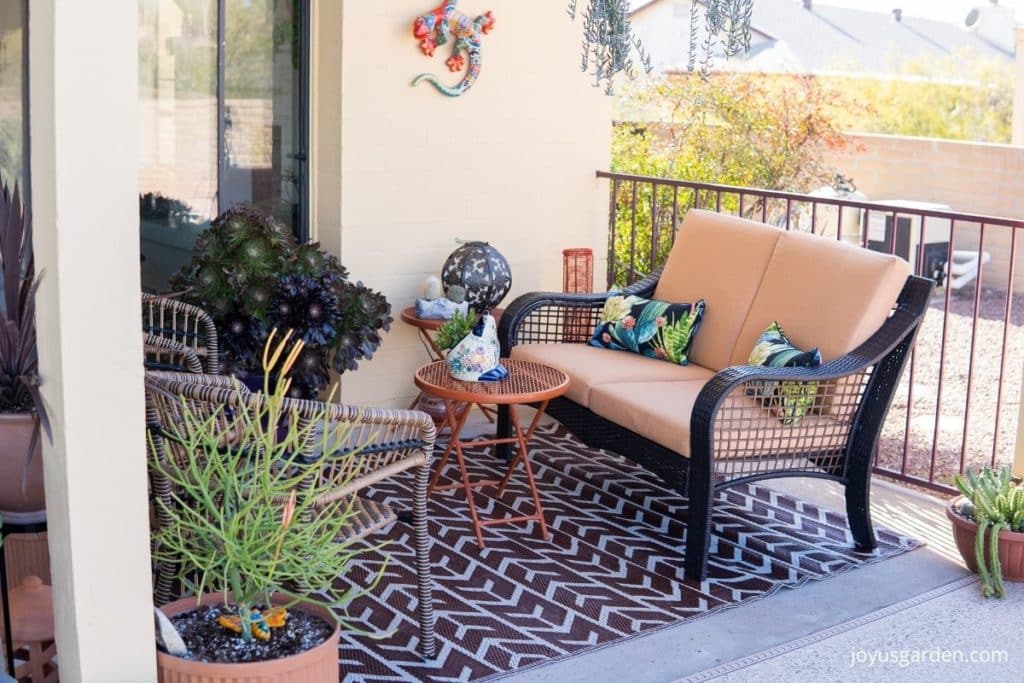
[958, 97]
[746, 130]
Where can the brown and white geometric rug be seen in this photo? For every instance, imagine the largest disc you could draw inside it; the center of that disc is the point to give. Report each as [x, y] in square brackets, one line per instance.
[611, 569]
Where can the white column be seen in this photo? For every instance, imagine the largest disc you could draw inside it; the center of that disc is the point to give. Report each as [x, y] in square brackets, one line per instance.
[1017, 122]
[84, 82]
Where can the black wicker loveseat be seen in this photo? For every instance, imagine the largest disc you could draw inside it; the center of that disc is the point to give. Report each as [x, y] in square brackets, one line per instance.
[697, 426]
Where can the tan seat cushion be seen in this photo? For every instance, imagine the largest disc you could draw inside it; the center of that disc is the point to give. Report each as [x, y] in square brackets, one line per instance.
[721, 259]
[823, 293]
[660, 411]
[589, 367]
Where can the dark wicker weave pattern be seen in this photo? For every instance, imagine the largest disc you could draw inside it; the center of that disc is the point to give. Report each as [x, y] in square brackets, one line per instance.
[732, 438]
[393, 441]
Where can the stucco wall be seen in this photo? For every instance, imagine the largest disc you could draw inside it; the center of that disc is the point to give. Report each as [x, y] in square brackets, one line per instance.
[969, 177]
[511, 162]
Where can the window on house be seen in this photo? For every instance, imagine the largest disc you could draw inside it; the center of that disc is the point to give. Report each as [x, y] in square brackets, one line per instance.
[222, 106]
[14, 94]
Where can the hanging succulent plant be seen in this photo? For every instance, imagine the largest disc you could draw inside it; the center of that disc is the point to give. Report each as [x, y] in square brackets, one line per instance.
[252, 276]
[609, 44]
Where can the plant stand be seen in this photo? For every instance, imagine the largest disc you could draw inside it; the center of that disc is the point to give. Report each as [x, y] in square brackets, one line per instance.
[32, 523]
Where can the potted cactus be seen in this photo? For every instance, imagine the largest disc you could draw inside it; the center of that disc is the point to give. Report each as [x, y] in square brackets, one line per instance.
[262, 528]
[988, 526]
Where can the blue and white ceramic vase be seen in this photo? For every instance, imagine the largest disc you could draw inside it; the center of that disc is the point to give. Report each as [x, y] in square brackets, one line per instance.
[477, 358]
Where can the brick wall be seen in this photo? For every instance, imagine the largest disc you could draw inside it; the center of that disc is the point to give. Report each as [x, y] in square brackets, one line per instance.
[969, 177]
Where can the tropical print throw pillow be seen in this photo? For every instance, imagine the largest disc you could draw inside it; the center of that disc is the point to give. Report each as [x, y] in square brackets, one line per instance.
[790, 401]
[655, 329]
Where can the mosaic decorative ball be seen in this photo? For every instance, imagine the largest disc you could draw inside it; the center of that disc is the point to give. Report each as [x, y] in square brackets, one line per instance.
[482, 271]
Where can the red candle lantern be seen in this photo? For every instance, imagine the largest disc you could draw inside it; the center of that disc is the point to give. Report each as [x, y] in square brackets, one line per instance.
[578, 278]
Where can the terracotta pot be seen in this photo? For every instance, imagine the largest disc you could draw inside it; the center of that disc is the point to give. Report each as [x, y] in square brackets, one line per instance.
[312, 666]
[1011, 544]
[15, 436]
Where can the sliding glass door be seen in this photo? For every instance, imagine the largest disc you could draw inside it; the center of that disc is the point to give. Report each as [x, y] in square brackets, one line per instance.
[14, 93]
[222, 105]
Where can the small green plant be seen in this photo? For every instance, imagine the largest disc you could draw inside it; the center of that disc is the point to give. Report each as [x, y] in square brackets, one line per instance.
[250, 515]
[455, 330]
[995, 500]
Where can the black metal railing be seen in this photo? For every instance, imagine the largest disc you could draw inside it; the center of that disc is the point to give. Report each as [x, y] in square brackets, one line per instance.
[957, 406]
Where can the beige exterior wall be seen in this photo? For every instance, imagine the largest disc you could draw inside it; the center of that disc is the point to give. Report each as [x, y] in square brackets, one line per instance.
[511, 162]
[970, 177]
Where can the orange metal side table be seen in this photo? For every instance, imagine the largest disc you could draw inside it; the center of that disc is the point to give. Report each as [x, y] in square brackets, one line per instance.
[527, 383]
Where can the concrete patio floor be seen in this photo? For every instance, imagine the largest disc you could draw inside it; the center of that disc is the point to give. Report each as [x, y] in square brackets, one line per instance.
[921, 600]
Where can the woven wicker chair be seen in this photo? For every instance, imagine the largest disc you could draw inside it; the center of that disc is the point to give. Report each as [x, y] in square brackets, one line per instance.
[394, 441]
[161, 353]
[732, 439]
[177, 321]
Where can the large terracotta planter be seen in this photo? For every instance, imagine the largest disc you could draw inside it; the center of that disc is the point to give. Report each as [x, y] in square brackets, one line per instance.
[1011, 544]
[15, 436]
[312, 666]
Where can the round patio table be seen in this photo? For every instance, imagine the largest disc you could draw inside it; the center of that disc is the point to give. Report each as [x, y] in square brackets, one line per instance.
[527, 383]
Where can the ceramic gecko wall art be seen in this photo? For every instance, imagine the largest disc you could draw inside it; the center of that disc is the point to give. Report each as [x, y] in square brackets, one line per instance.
[443, 25]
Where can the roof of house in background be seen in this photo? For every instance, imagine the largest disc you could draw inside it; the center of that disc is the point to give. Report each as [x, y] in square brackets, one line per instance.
[787, 37]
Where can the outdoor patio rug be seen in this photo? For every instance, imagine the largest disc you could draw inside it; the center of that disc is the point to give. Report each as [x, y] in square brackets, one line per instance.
[611, 569]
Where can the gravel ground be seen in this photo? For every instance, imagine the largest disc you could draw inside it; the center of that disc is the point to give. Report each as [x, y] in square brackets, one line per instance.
[981, 441]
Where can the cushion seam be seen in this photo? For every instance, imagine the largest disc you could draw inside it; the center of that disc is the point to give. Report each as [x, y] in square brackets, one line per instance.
[750, 304]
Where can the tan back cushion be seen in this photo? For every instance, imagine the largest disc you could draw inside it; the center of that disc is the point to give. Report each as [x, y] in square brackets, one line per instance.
[721, 259]
[823, 293]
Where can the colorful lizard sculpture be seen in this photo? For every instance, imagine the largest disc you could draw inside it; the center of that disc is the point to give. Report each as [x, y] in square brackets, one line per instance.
[440, 26]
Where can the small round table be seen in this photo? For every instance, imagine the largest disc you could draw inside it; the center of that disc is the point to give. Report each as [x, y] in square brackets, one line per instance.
[527, 383]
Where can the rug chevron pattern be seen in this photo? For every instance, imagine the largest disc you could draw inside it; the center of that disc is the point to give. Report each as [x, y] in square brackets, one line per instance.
[612, 569]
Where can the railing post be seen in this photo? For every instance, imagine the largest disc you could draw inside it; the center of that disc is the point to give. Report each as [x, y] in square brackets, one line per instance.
[1018, 457]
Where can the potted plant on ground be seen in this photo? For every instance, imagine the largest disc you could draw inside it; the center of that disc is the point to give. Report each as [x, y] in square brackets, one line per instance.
[258, 525]
[22, 413]
[251, 274]
[988, 526]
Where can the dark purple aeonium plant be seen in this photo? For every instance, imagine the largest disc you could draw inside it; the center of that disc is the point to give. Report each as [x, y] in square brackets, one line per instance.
[19, 359]
[252, 276]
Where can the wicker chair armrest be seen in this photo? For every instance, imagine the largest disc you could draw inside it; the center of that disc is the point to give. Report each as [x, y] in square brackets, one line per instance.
[384, 443]
[367, 477]
[166, 354]
[852, 392]
[905, 319]
[519, 312]
[156, 307]
[167, 377]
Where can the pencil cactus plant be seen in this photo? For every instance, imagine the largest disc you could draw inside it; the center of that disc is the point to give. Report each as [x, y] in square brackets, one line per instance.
[250, 513]
[995, 501]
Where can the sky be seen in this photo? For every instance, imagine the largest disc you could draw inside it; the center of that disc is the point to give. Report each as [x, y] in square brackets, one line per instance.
[944, 10]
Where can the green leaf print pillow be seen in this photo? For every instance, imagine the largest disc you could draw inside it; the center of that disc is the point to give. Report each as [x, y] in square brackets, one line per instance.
[655, 329]
[790, 401]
